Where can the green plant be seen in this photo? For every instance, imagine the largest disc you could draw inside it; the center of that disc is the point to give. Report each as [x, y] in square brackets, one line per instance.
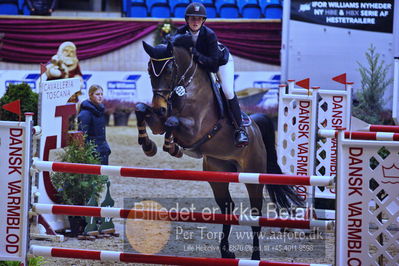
[77, 189]
[374, 83]
[32, 261]
[164, 28]
[23, 92]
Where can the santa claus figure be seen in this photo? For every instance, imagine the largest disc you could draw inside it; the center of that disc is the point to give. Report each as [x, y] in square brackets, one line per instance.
[64, 64]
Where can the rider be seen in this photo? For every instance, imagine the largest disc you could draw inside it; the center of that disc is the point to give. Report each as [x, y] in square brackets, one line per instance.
[214, 57]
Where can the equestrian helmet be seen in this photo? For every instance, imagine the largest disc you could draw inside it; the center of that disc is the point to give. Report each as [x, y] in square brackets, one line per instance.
[195, 9]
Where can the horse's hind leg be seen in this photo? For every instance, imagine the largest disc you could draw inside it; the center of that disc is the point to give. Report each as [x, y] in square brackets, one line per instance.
[223, 199]
[255, 193]
[226, 205]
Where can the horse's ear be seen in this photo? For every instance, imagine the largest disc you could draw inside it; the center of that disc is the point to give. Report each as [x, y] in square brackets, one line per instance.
[169, 48]
[148, 49]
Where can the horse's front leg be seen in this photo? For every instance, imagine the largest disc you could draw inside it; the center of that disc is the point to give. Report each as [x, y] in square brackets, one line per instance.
[169, 146]
[148, 146]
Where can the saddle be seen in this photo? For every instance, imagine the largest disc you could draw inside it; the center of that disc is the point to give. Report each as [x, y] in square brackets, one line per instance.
[221, 103]
[221, 100]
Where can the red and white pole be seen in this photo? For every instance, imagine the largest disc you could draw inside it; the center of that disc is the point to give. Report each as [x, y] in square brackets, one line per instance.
[191, 217]
[208, 176]
[359, 135]
[383, 128]
[114, 256]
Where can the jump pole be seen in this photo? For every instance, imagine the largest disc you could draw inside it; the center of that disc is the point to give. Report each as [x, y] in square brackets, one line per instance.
[192, 217]
[114, 256]
[382, 128]
[359, 135]
[188, 175]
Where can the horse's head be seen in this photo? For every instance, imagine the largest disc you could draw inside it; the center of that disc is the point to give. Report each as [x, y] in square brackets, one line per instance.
[162, 70]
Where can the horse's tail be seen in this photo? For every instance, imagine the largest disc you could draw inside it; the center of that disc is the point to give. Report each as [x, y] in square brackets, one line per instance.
[282, 195]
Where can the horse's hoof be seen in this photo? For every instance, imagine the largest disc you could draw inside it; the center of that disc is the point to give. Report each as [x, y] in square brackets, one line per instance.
[150, 149]
[151, 153]
[177, 152]
[228, 255]
[255, 256]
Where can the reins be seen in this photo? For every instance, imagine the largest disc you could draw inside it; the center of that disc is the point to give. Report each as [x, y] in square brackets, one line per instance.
[182, 78]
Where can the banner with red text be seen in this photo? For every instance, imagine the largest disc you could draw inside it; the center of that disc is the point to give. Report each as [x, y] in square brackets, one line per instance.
[14, 184]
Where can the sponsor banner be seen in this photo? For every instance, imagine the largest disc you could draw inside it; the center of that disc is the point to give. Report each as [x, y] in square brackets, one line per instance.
[54, 114]
[362, 15]
[12, 191]
[367, 202]
[132, 86]
[55, 93]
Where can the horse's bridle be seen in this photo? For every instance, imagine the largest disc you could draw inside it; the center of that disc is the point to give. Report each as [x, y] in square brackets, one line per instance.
[167, 94]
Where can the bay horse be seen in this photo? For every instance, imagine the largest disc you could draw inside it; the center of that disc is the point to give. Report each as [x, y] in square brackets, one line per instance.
[185, 110]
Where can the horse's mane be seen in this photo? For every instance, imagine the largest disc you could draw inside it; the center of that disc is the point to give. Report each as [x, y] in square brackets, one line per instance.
[182, 40]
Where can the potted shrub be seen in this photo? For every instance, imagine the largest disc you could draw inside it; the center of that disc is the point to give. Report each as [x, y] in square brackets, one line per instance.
[23, 92]
[78, 189]
[369, 103]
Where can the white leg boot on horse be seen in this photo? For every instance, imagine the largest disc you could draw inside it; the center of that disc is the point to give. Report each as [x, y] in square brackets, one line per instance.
[226, 76]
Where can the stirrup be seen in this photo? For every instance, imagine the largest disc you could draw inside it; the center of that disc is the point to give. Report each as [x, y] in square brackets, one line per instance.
[240, 138]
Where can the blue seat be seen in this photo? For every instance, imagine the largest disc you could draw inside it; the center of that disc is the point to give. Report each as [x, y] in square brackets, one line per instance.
[160, 10]
[227, 8]
[136, 8]
[178, 7]
[273, 11]
[124, 6]
[251, 12]
[211, 11]
[249, 8]
[9, 7]
[150, 3]
[210, 6]
[264, 3]
[179, 11]
[174, 3]
[23, 7]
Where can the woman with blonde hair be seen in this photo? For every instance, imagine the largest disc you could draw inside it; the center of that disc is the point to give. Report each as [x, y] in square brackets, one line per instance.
[92, 121]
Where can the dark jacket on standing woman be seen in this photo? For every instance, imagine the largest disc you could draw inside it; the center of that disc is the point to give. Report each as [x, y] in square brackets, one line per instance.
[207, 51]
[41, 7]
[92, 122]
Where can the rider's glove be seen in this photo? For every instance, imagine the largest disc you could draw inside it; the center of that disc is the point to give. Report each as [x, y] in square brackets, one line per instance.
[195, 53]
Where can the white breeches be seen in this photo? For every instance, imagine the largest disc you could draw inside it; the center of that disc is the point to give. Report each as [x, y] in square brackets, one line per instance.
[226, 76]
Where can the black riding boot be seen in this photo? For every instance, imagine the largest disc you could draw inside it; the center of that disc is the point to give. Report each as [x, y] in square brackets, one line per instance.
[240, 135]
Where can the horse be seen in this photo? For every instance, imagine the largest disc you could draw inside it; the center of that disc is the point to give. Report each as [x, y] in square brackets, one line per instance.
[184, 108]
